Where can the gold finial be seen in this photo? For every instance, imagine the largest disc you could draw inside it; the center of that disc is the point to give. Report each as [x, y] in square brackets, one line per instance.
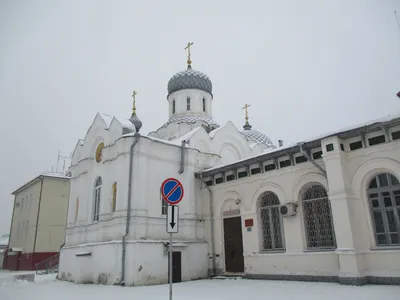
[188, 49]
[134, 103]
[247, 113]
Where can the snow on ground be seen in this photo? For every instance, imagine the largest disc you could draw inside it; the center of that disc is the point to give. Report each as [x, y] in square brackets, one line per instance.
[47, 287]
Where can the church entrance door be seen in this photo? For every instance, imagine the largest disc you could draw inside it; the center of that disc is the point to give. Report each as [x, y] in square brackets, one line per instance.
[234, 261]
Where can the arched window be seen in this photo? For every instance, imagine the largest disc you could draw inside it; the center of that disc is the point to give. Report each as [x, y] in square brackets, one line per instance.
[188, 103]
[318, 218]
[97, 197]
[204, 104]
[271, 222]
[76, 209]
[114, 197]
[173, 106]
[384, 199]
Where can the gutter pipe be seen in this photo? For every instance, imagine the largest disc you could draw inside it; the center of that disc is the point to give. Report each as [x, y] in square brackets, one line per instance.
[311, 159]
[128, 213]
[211, 199]
[182, 169]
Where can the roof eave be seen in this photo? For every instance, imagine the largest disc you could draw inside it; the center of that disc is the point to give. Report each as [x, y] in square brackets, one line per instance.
[36, 179]
[296, 148]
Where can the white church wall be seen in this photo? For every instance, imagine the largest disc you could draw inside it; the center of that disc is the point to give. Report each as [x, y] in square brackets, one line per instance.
[362, 167]
[196, 102]
[349, 173]
[286, 184]
[146, 261]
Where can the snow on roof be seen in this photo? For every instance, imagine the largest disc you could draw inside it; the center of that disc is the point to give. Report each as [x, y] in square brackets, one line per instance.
[174, 142]
[320, 137]
[213, 132]
[186, 136]
[352, 127]
[108, 119]
[38, 177]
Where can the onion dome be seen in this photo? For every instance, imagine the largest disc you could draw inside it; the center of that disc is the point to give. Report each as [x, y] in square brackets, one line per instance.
[254, 135]
[134, 119]
[189, 79]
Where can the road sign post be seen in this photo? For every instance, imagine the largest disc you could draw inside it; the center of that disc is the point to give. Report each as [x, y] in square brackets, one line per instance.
[172, 193]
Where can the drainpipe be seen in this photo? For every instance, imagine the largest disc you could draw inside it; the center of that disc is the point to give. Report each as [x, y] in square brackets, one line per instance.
[128, 213]
[211, 199]
[37, 224]
[182, 169]
[310, 159]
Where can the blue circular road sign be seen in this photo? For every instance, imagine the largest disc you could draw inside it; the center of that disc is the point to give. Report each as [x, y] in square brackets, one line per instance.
[172, 191]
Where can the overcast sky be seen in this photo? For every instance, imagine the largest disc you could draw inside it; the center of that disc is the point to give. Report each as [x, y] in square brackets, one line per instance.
[306, 67]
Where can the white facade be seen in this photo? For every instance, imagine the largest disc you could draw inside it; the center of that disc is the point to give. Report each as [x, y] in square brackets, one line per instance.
[355, 256]
[192, 143]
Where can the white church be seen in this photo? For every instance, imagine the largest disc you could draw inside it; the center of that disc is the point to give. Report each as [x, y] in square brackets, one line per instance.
[324, 209]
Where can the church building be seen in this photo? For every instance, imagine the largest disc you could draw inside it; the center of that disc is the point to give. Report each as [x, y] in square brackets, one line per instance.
[325, 209]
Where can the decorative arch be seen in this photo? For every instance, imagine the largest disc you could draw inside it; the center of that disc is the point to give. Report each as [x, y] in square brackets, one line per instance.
[317, 217]
[231, 202]
[270, 222]
[272, 187]
[229, 153]
[384, 203]
[307, 180]
[360, 182]
[97, 198]
[367, 171]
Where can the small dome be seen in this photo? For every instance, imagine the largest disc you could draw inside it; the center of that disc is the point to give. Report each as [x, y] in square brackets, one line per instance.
[189, 79]
[256, 136]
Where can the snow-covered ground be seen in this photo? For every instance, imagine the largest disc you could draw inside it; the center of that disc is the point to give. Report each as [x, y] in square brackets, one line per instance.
[47, 287]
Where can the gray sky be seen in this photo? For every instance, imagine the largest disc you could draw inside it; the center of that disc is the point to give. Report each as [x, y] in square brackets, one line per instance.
[306, 67]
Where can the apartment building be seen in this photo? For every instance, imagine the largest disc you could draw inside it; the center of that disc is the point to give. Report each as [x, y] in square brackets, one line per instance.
[38, 221]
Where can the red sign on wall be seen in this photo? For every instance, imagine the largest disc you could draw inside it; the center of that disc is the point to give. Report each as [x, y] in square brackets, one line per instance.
[248, 222]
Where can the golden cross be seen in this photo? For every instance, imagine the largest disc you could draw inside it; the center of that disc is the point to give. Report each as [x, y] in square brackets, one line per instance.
[134, 102]
[246, 111]
[188, 49]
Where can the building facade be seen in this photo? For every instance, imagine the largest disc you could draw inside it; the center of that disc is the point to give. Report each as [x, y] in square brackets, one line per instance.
[326, 209]
[250, 208]
[38, 221]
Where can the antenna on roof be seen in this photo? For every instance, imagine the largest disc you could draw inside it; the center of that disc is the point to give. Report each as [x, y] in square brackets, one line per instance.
[61, 157]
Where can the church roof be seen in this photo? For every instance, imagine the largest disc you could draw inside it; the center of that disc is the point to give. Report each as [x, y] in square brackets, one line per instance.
[345, 133]
[189, 79]
[256, 136]
[39, 177]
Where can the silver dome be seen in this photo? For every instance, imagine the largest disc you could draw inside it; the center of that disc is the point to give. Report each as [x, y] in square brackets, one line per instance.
[256, 136]
[189, 79]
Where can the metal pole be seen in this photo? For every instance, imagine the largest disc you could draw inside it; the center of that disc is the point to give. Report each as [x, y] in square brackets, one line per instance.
[170, 266]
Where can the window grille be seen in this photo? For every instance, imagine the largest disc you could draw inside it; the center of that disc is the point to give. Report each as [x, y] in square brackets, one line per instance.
[318, 221]
[271, 222]
[97, 196]
[384, 199]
